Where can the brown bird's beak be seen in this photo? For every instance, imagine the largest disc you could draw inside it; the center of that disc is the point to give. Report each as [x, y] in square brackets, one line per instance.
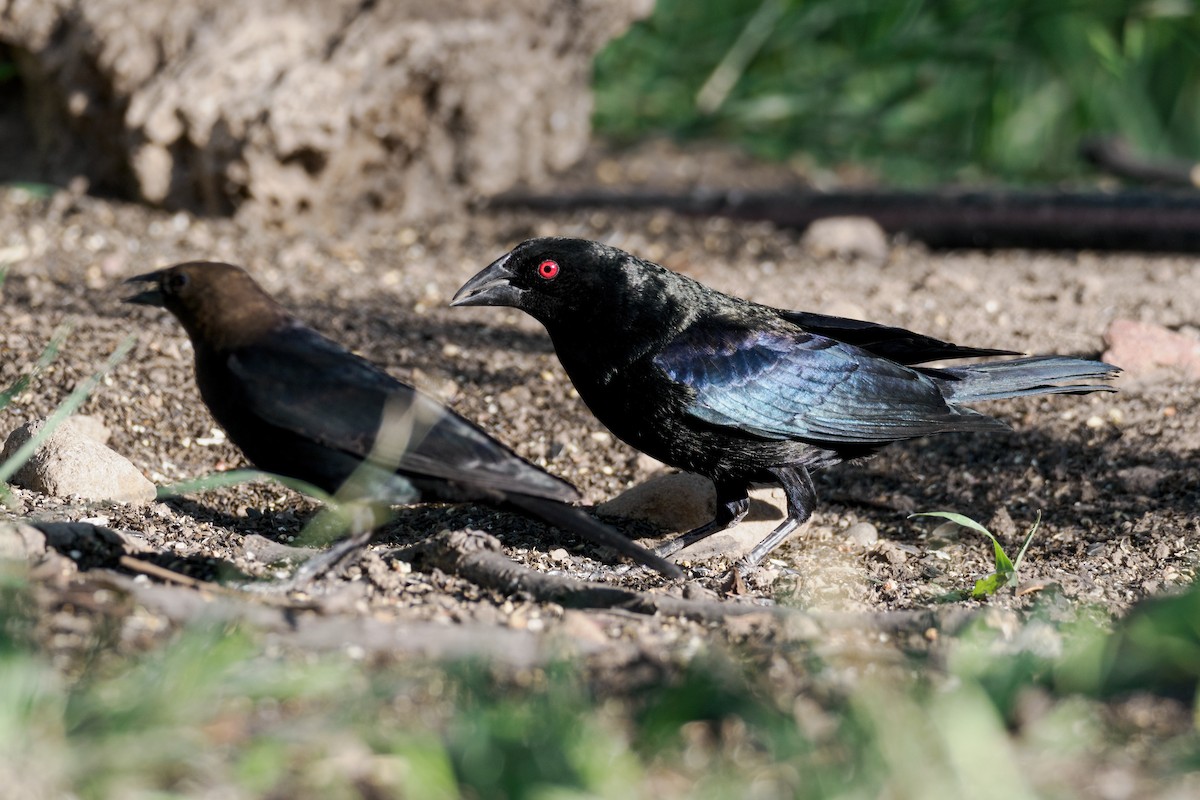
[150, 297]
[491, 287]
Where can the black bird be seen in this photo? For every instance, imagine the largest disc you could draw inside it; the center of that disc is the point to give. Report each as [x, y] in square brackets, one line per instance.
[302, 406]
[744, 393]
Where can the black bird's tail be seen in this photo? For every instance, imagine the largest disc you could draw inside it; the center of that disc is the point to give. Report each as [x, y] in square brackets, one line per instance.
[570, 518]
[1024, 376]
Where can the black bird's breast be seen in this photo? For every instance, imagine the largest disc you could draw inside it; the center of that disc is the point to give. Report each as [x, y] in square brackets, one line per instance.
[644, 406]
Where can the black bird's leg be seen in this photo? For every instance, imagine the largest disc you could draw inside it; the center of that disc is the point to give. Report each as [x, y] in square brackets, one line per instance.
[801, 500]
[732, 505]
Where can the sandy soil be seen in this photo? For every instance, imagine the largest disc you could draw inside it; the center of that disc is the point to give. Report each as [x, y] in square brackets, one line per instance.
[1111, 474]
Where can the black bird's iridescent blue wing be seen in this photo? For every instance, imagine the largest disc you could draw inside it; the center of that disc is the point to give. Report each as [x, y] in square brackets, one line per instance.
[897, 344]
[783, 383]
[299, 381]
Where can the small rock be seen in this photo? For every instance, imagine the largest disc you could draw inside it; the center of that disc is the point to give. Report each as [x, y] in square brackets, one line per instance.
[864, 534]
[891, 551]
[69, 463]
[677, 501]
[767, 508]
[88, 427]
[680, 501]
[260, 548]
[583, 628]
[1141, 479]
[1002, 525]
[846, 238]
[19, 541]
[1140, 348]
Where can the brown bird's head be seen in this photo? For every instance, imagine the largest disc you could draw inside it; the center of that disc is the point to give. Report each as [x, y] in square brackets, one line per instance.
[218, 304]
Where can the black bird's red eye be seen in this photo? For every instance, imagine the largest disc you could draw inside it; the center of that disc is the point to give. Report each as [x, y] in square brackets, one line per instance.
[548, 269]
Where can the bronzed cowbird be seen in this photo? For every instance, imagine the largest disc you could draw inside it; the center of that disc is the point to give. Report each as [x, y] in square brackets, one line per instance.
[302, 406]
[744, 393]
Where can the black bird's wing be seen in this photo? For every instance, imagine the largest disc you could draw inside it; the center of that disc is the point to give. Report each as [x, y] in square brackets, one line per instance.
[897, 344]
[301, 382]
[789, 384]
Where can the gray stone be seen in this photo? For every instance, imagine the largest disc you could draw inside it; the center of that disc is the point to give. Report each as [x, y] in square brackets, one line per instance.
[89, 427]
[677, 501]
[70, 464]
[338, 106]
[847, 238]
[863, 534]
[1141, 479]
[20, 541]
[680, 501]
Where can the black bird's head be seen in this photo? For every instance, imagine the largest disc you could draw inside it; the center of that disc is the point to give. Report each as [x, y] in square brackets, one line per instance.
[557, 281]
[218, 304]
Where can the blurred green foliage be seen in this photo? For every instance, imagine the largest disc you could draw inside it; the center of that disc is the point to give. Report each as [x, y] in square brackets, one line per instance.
[919, 89]
[214, 713]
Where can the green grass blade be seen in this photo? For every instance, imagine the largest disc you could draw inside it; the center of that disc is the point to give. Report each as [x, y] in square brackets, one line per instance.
[48, 355]
[958, 519]
[1004, 564]
[1028, 539]
[1005, 570]
[234, 477]
[988, 585]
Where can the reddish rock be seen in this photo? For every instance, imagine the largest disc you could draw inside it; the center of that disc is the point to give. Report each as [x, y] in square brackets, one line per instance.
[1141, 348]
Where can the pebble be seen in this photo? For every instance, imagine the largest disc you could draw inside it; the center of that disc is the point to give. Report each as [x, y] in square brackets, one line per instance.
[1141, 479]
[70, 463]
[847, 238]
[864, 534]
[19, 541]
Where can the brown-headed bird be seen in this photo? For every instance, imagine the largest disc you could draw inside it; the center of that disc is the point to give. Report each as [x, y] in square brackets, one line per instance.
[744, 393]
[301, 406]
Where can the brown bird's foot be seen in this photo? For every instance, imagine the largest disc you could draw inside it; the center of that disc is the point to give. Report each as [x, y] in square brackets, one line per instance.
[341, 555]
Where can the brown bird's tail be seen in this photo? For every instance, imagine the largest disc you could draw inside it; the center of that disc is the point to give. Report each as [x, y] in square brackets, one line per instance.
[570, 518]
[1024, 376]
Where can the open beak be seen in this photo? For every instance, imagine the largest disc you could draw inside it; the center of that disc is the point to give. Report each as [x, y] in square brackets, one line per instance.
[491, 287]
[152, 296]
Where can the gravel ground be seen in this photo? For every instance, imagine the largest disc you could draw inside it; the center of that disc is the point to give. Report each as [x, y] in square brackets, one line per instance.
[1110, 473]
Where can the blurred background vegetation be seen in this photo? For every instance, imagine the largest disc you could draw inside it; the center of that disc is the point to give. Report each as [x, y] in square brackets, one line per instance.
[917, 90]
[219, 712]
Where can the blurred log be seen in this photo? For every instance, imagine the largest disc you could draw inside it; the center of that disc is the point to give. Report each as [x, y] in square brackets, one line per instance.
[1126, 220]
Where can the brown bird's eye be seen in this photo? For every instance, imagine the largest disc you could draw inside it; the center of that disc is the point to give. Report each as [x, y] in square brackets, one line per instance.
[177, 281]
[548, 269]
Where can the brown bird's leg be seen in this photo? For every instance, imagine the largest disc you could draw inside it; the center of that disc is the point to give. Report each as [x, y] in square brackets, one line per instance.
[732, 504]
[801, 500]
[362, 523]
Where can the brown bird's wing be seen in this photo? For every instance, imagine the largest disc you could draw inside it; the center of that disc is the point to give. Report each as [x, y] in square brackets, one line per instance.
[299, 381]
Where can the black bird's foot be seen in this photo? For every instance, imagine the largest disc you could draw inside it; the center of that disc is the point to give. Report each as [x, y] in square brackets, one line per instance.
[801, 497]
[732, 505]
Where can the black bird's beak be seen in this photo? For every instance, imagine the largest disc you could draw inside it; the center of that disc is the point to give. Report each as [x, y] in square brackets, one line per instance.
[491, 287]
[150, 297]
